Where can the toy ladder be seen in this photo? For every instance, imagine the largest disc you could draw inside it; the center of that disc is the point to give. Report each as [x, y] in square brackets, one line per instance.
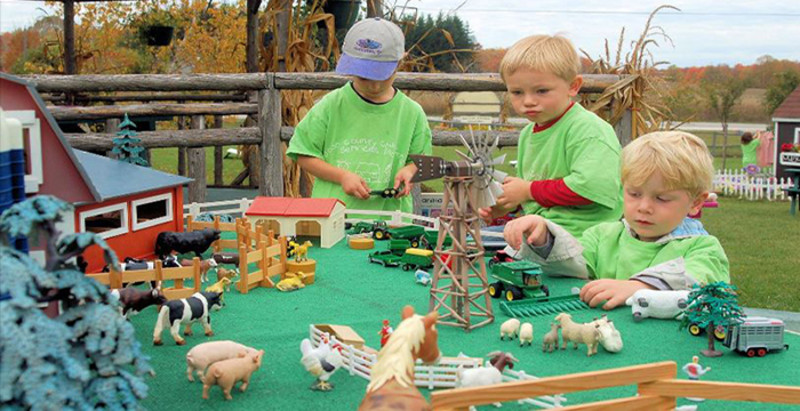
[459, 291]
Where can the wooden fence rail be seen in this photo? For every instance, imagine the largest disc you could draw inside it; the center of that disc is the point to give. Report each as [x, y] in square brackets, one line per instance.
[104, 112]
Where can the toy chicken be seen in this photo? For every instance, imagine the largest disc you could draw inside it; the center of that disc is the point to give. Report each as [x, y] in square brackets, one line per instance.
[321, 362]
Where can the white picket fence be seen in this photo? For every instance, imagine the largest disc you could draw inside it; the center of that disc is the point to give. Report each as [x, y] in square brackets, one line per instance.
[740, 184]
[443, 374]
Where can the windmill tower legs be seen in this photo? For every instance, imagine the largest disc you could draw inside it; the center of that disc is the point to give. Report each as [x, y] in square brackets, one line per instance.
[460, 292]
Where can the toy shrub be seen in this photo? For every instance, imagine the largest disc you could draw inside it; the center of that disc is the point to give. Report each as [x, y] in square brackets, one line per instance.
[711, 308]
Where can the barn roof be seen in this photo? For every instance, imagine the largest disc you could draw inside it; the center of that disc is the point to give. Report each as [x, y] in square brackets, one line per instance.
[292, 207]
[106, 178]
[112, 178]
[790, 108]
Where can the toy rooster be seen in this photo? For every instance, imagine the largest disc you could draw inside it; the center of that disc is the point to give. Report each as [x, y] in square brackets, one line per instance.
[321, 362]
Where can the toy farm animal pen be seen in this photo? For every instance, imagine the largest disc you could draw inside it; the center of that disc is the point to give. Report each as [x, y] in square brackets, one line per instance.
[391, 383]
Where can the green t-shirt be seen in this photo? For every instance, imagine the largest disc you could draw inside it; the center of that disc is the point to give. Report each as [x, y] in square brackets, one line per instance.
[371, 140]
[749, 153]
[582, 149]
[612, 252]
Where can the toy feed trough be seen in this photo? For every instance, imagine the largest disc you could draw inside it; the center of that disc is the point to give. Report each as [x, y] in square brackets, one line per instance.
[536, 307]
[459, 291]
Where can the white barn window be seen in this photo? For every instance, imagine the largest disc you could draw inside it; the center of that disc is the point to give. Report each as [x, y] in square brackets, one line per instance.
[151, 211]
[109, 221]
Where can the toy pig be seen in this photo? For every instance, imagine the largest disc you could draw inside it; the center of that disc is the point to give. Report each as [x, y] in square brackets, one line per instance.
[226, 373]
[203, 355]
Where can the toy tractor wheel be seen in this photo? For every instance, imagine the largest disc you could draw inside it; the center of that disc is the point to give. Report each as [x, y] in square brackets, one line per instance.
[719, 333]
[695, 330]
[546, 290]
[761, 352]
[496, 289]
[407, 267]
[348, 226]
[751, 352]
[379, 235]
[513, 294]
[415, 243]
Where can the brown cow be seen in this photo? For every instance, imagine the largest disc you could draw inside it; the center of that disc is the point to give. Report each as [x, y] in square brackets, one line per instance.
[134, 301]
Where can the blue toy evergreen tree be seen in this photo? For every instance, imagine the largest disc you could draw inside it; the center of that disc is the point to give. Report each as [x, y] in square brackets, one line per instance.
[711, 306]
[126, 145]
[87, 356]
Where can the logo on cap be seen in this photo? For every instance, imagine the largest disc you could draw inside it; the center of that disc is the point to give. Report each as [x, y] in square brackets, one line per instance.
[368, 46]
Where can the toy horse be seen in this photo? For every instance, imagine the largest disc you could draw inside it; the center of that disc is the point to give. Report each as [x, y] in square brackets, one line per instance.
[301, 252]
[391, 384]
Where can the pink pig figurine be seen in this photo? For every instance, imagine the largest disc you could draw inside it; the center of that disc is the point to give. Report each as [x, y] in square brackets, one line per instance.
[226, 373]
[205, 354]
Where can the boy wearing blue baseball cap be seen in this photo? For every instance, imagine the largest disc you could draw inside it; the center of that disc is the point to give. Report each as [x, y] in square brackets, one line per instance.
[358, 137]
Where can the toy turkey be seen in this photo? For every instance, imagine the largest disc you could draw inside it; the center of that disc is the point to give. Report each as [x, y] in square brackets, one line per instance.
[321, 361]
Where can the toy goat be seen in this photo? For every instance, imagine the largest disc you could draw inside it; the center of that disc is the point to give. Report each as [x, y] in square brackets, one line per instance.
[526, 334]
[133, 301]
[220, 286]
[550, 340]
[226, 373]
[186, 311]
[490, 374]
[184, 242]
[610, 338]
[205, 354]
[509, 329]
[664, 304]
[578, 333]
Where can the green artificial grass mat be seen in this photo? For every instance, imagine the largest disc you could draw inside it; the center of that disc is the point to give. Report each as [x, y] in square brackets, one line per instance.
[351, 291]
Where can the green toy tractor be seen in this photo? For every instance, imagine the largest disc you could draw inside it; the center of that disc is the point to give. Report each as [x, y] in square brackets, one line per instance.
[517, 280]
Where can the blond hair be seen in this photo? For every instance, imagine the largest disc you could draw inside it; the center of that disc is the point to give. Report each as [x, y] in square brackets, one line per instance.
[682, 159]
[549, 54]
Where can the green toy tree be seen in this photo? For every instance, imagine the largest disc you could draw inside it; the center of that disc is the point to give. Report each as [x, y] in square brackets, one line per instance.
[84, 357]
[127, 147]
[711, 306]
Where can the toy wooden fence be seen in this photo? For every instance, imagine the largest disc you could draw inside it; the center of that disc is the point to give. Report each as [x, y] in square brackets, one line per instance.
[115, 279]
[268, 253]
[221, 244]
[441, 375]
[657, 389]
[743, 185]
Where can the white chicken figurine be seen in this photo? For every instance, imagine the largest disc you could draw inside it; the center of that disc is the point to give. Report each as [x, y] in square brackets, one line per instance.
[321, 362]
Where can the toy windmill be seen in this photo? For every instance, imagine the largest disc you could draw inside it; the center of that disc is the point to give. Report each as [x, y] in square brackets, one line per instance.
[459, 292]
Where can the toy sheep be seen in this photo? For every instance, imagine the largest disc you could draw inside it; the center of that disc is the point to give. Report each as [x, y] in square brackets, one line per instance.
[226, 373]
[658, 304]
[509, 329]
[610, 338]
[526, 334]
[550, 340]
[203, 355]
[578, 333]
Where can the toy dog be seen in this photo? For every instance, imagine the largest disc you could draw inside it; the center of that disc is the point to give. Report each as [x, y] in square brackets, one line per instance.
[220, 286]
[175, 312]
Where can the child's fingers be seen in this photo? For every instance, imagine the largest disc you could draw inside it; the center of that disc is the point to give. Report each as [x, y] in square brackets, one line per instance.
[613, 302]
[598, 298]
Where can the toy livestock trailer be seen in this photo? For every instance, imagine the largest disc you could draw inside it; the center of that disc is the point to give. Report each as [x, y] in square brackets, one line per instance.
[755, 336]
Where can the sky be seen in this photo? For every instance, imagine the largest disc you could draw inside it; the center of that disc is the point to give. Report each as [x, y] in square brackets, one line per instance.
[704, 31]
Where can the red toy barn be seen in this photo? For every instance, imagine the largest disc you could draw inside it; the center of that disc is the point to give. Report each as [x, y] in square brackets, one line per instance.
[127, 205]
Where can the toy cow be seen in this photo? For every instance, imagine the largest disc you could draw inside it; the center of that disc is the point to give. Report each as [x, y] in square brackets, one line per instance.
[184, 242]
[226, 258]
[174, 313]
[205, 354]
[664, 304]
[226, 373]
[133, 301]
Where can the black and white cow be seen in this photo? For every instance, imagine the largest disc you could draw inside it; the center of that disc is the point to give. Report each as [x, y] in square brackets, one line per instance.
[186, 311]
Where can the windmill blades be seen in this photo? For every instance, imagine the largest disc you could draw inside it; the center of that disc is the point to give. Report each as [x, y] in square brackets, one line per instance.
[498, 160]
[499, 176]
[463, 140]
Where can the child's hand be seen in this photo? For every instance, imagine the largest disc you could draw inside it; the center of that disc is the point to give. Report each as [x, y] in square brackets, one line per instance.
[530, 228]
[403, 178]
[488, 214]
[613, 292]
[354, 185]
[515, 192]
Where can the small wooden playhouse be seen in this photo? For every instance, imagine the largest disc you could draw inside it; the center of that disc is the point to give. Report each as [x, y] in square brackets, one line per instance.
[127, 205]
[323, 217]
[787, 131]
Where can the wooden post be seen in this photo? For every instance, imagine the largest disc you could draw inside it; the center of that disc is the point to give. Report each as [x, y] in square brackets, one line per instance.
[269, 122]
[181, 150]
[218, 156]
[69, 37]
[197, 166]
[196, 269]
[242, 285]
[624, 128]
[282, 36]
[374, 8]
[112, 126]
[160, 275]
[251, 46]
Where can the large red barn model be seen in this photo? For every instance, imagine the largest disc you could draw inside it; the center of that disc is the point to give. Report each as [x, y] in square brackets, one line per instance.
[128, 205]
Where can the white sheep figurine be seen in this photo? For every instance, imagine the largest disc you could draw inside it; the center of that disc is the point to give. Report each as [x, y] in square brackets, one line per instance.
[664, 304]
[610, 338]
[490, 374]
[578, 333]
[550, 340]
[526, 334]
[509, 329]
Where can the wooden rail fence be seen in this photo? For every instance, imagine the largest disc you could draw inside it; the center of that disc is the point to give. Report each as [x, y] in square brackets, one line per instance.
[115, 279]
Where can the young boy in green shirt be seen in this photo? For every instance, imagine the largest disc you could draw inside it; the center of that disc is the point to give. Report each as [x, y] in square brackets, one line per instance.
[568, 157]
[358, 137]
[665, 176]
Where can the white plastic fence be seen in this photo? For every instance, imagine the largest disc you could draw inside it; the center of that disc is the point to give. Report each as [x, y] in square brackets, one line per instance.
[739, 183]
[441, 375]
